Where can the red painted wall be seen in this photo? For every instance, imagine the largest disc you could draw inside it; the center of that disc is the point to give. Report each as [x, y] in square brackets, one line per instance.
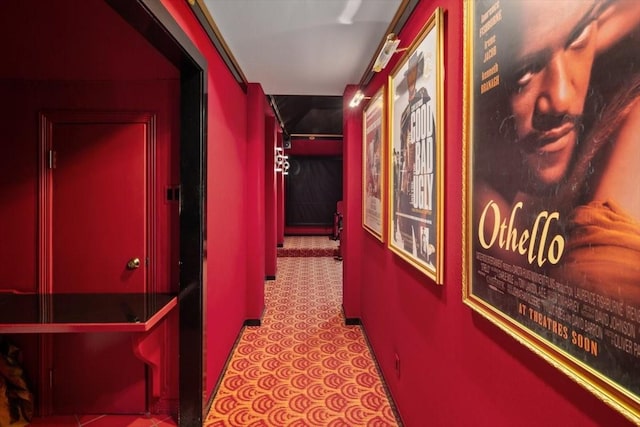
[456, 368]
[315, 147]
[270, 194]
[351, 237]
[255, 216]
[228, 205]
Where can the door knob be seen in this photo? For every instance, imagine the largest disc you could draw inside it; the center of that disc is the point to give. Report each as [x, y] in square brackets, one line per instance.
[133, 263]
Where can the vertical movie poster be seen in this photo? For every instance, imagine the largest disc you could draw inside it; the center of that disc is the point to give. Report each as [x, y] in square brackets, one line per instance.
[372, 159]
[554, 205]
[414, 156]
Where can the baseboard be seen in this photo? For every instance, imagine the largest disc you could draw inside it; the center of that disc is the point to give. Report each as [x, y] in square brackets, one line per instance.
[350, 321]
[252, 322]
[385, 386]
[224, 370]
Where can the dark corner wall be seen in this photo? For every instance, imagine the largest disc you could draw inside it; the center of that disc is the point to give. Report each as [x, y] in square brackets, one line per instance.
[325, 155]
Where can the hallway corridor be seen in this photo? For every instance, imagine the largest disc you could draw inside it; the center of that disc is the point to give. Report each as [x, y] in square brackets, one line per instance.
[303, 366]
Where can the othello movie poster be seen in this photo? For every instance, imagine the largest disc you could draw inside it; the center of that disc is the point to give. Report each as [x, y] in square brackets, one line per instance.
[553, 155]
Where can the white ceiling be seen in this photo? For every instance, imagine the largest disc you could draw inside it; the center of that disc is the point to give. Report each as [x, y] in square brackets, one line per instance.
[303, 47]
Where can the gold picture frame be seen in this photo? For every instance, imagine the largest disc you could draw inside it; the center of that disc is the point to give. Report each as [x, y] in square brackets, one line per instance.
[416, 152]
[546, 258]
[373, 164]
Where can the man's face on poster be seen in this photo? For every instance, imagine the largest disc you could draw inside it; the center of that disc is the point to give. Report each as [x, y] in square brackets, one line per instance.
[412, 76]
[550, 82]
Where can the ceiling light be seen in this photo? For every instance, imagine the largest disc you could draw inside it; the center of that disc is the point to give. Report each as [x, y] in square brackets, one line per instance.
[388, 49]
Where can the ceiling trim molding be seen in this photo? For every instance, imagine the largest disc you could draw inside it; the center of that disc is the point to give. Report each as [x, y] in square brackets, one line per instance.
[276, 111]
[201, 12]
[395, 26]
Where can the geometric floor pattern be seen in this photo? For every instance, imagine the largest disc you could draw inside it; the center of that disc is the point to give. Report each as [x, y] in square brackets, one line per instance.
[303, 366]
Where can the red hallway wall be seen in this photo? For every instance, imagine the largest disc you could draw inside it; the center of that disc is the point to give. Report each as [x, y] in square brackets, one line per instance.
[316, 147]
[350, 239]
[270, 192]
[227, 207]
[456, 368]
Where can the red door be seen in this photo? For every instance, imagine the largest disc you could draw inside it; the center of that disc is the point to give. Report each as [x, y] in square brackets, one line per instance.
[98, 205]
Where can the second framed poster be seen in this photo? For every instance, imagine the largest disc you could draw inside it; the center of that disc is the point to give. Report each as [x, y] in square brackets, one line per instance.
[416, 152]
[373, 123]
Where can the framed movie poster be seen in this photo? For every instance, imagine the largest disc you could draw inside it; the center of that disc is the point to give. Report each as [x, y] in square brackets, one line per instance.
[373, 140]
[551, 194]
[416, 152]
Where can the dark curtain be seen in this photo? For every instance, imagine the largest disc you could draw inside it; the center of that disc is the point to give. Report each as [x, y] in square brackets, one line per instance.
[313, 187]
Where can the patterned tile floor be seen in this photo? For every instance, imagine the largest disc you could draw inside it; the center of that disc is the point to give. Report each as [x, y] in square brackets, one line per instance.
[303, 366]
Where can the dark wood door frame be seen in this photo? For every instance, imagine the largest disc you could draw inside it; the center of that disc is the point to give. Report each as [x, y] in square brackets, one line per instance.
[151, 19]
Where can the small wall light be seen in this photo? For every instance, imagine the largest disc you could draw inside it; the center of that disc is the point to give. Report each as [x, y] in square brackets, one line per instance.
[389, 47]
[357, 99]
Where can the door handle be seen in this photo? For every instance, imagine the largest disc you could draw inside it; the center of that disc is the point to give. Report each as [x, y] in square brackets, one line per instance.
[133, 263]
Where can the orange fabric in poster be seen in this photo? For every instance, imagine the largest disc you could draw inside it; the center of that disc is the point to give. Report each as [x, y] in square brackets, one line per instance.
[603, 251]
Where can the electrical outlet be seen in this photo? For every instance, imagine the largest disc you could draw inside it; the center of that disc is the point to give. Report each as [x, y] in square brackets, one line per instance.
[397, 365]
